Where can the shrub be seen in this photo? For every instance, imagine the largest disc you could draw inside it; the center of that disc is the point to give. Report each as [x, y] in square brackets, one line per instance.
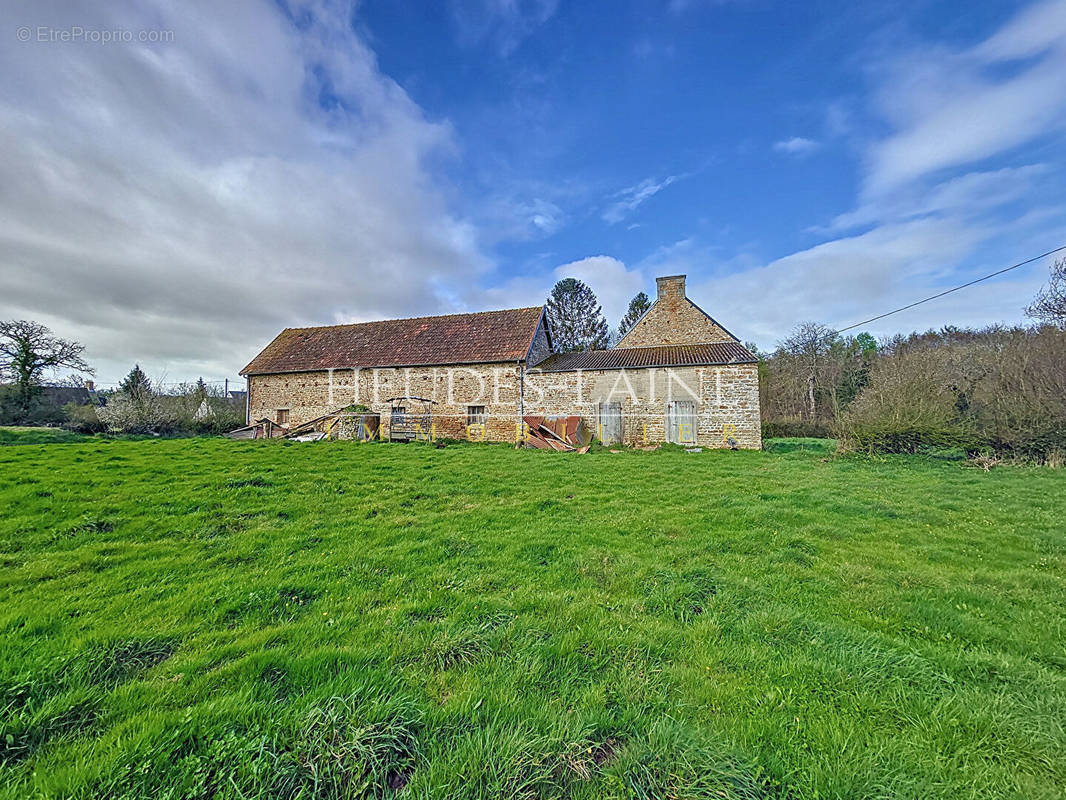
[798, 427]
[911, 402]
[146, 413]
[1021, 400]
[83, 418]
[998, 389]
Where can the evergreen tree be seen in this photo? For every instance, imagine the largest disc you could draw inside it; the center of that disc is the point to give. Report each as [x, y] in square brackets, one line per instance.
[136, 384]
[637, 308]
[576, 317]
[200, 391]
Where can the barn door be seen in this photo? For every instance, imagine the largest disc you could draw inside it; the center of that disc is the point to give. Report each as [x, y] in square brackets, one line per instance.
[681, 421]
[610, 425]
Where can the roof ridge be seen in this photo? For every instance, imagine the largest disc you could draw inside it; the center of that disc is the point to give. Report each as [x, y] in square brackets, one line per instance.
[416, 319]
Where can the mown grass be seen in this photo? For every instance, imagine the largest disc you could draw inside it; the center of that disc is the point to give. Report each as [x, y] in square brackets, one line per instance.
[206, 618]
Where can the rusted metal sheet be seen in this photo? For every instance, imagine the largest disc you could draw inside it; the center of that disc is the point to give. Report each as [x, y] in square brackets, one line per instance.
[565, 434]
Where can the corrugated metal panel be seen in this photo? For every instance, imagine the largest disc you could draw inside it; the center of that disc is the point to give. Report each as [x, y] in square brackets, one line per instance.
[682, 355]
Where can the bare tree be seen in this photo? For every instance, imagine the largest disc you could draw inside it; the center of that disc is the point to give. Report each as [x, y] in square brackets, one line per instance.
[809, 344]
[1050, 303]
[27, 349]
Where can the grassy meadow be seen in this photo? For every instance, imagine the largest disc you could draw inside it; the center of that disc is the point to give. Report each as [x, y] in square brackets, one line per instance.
[198, 618]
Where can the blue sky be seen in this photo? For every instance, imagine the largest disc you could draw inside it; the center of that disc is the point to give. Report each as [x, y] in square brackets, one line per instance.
[279, 164]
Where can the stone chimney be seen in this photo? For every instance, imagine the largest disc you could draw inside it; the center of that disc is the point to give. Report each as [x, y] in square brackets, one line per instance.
[671, 287]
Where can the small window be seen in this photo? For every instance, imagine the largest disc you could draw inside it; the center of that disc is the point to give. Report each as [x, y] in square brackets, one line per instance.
[475, 415]
[283, 416]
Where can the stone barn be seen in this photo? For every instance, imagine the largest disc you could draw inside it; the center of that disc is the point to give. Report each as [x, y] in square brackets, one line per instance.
[676, 376]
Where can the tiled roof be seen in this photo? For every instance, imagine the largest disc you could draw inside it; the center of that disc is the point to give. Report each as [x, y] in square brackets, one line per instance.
[678, 355]
[477, 338]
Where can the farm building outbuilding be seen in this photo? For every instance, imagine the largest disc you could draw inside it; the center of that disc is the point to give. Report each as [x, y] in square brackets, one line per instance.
[676, 376]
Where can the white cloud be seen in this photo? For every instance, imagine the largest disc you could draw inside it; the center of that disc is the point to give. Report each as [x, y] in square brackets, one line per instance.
[949, 108]
[797, 146]
[965, 196]
[627, 200]
[852, 278]
[505, 23]
[614, 283]
[178, 204]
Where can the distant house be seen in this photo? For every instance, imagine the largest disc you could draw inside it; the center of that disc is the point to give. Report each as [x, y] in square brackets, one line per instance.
[62, 395]
[676, 376]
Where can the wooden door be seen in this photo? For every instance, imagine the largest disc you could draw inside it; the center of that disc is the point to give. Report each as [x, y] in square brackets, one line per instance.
[681, 422]
[610, 424]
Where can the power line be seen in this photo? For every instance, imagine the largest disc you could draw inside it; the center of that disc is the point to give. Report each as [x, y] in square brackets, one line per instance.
[949, 291]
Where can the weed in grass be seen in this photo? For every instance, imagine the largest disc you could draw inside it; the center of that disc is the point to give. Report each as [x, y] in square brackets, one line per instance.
[682, 595]
[92, 525]
[358, 745]
[22, 735]
[256, 482]
[111, 663]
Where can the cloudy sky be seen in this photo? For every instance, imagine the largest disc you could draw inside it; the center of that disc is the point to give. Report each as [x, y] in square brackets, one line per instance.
[219, 171]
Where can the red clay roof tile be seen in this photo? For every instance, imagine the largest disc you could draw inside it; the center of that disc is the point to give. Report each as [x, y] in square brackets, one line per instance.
[478, 338]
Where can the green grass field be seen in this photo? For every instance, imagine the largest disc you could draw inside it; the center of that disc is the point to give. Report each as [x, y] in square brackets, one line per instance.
[206, 618]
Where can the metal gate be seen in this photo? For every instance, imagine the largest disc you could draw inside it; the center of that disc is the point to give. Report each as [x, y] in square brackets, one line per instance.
[410, 418]
[681, 422]
[610, 424]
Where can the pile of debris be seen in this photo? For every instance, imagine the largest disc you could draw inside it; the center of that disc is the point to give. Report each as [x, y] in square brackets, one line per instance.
[341, 424]
[566, 434]
[260, 429]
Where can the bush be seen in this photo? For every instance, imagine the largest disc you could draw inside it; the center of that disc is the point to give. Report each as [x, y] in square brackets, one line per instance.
[146, 413]
[796, 427]
[911, 402]
[83, 418]
[225, 416]
[998, 390]
[1021, 401]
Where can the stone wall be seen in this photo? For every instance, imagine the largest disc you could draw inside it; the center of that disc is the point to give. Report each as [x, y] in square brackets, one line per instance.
[726, 398]
[308, 395]
[674, 319]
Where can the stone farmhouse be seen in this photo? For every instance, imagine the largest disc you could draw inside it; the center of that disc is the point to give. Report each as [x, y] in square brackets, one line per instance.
[676, 376]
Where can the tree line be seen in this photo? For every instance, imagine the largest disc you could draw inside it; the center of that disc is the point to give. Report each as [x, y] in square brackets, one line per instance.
[29, 351]
[999, 388]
